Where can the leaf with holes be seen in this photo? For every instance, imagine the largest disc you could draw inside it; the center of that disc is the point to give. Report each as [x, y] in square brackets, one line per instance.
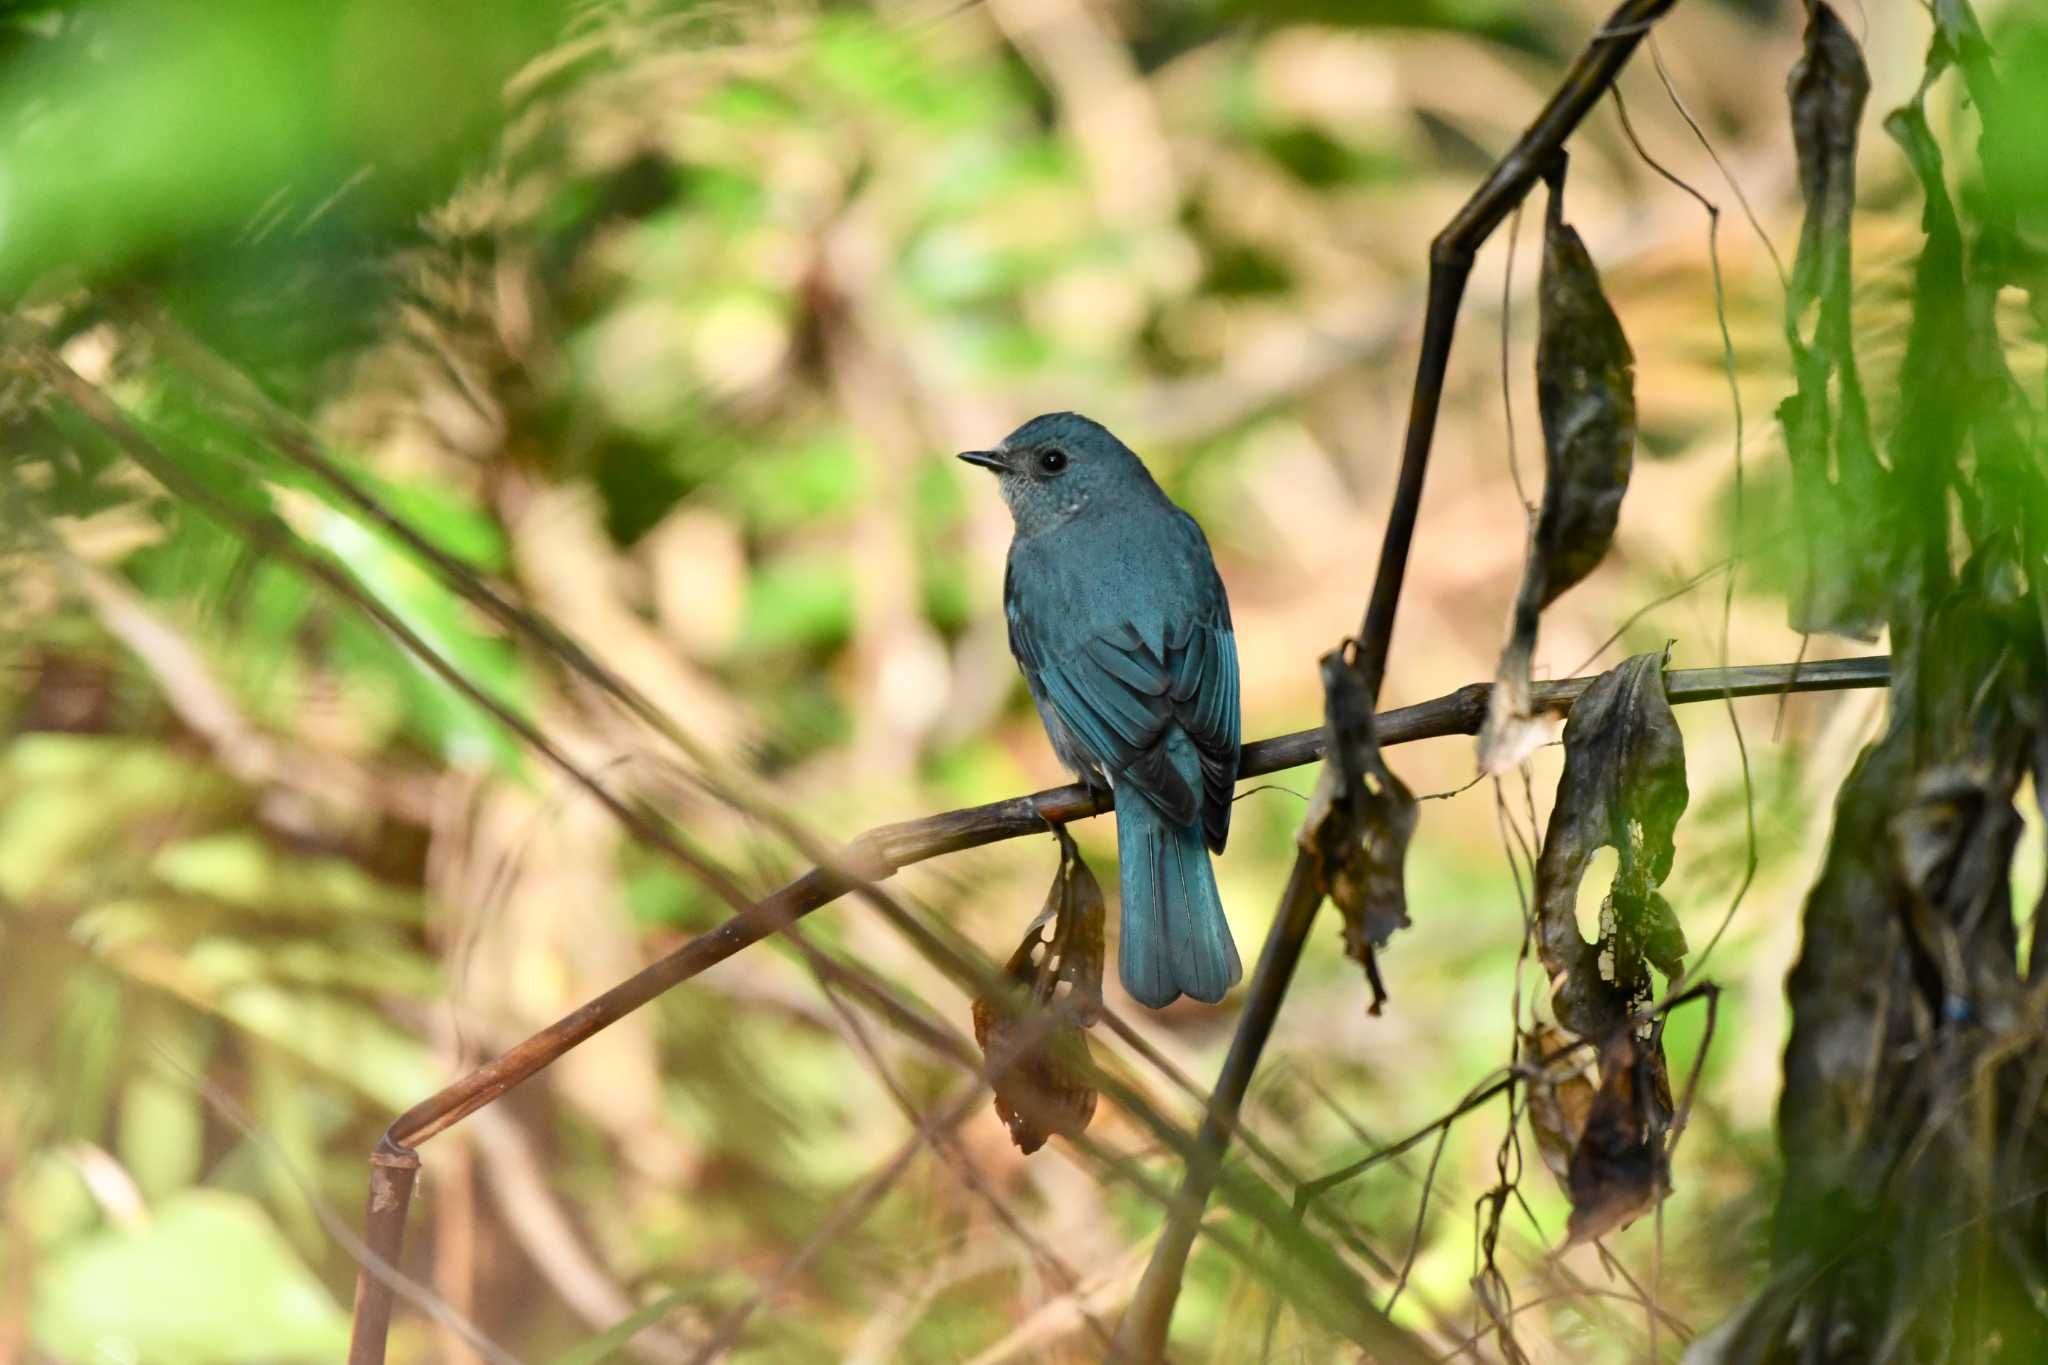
[1031, 1033]
[1585, 390]
[1623, 788]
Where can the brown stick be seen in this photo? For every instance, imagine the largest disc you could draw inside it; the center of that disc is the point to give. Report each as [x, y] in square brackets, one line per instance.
[393, 1172]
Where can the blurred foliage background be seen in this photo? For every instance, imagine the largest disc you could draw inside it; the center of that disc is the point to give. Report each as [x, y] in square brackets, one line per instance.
[667, 318]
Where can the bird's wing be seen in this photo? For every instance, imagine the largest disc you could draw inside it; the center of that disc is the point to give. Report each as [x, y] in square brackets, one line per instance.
[1203, 693]
[1122, 700]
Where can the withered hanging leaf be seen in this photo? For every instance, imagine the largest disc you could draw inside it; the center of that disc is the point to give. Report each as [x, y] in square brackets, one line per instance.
[1910, 1121]
[1619, 1169]
[1623, 787]
[1827, 89]
[1032, 1034]
[1585, 390]
[1953, 841]
[1941, 398]
[1359, 821]
[1837, 481]
[1954, 825]
[1851, 995]
[1559, 1081]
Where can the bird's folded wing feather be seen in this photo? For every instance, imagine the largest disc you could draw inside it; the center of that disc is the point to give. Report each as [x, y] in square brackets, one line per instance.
[1122, 700]
[1204, 697]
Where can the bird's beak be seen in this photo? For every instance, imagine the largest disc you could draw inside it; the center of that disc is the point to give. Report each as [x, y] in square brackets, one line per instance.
[988, 459]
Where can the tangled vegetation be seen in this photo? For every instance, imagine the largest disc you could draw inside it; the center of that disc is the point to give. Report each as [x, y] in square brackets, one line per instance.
[479, 513]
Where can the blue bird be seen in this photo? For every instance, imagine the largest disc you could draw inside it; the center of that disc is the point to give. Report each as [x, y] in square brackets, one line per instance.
[1121, 627]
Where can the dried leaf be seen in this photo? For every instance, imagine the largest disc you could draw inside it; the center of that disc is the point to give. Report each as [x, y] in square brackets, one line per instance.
[1836, 477]
[1585, 390]
[1954, 825]
[1953, 842]
[1033, 1035]
[1359, 822]
[1619, 1169]
[1827, 90]
[1623, 787]
[1560, 1094]
[1850, 992]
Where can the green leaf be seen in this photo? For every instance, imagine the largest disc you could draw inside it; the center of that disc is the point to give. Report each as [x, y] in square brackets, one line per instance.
[877, 69]
[207, 1281]
[196, 126]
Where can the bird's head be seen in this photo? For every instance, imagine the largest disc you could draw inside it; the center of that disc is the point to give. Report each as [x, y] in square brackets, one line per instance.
[1056, 467]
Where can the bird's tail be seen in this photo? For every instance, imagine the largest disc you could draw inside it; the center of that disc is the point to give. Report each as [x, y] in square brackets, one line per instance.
[1175, 940]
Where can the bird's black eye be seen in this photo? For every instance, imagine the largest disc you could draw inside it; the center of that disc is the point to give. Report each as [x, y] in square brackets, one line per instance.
[1052, 461]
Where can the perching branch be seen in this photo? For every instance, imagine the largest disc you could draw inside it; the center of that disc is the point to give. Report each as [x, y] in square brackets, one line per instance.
[1142, 1337]
[888, 849]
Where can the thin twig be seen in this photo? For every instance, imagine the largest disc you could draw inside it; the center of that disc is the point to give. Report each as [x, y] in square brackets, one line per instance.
[1421, 1217]
[848, 1214]
[1734, 185]
[1566, 1295]
[1506, 1078]
[1646, 608]
[518, 1176]
[382, 1268]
